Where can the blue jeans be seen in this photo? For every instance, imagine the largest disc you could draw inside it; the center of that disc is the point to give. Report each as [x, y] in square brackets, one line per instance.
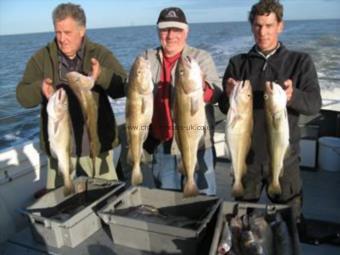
[167, 176]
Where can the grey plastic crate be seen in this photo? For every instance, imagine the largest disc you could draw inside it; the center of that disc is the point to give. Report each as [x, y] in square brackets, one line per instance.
[67, 221]
[284, 210]
[158, 236]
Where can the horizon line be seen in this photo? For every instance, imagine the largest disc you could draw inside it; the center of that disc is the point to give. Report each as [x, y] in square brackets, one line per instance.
[147, 25]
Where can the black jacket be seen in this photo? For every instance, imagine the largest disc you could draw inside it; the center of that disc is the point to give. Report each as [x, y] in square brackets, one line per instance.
[282, 65]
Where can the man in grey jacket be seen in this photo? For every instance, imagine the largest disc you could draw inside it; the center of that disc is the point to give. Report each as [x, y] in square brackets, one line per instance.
[173, 32]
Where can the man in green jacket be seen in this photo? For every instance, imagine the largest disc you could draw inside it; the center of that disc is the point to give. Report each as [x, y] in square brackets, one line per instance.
[46, 71]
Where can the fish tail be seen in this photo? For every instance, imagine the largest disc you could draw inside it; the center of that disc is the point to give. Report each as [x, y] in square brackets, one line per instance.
[137, 177]
[190, 189]
[274, 188]
[238, 189]
[181, 168]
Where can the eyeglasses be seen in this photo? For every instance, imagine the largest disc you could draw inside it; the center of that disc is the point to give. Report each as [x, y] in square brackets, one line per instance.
[172, 29]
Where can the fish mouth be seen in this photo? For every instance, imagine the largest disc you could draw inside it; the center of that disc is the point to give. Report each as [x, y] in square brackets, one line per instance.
[59, 95]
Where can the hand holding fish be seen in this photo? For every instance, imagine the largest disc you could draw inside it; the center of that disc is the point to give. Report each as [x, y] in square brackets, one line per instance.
[47, 88]
[288, 88]
[230, 84]
[95, 69]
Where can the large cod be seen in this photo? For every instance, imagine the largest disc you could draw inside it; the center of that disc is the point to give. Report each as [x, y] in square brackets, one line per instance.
[139, 110]
[59, 135]
[238, 131]
[190, 118]
[81, 85]
[278, 132]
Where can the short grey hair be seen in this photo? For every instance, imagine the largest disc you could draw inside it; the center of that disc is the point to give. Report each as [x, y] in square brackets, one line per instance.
[63, 11]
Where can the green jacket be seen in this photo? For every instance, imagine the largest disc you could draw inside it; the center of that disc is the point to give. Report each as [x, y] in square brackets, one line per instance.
[45, 64]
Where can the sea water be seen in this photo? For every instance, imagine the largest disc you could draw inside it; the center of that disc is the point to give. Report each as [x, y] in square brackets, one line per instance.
[319, 38]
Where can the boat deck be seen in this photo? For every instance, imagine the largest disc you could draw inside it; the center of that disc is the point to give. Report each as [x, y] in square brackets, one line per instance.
[321, 202]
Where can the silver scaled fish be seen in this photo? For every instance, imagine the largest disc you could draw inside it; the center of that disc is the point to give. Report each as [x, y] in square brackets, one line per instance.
[82, 86]
[190, 118]
[238, 131]
[278, 132]
[139, 110]
[59, 135]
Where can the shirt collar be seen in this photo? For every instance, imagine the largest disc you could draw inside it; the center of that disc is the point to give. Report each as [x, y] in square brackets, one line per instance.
[79, 54]
[268, 55]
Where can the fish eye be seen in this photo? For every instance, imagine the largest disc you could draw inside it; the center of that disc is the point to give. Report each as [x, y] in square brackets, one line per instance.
[265, 96]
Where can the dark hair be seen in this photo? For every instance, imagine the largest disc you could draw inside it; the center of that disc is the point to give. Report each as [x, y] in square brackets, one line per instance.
[62, 11]
[265, 7]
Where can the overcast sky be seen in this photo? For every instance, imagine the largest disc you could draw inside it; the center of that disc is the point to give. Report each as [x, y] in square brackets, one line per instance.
[17, 16]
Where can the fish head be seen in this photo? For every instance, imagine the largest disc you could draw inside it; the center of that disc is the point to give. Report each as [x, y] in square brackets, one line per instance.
[80, 81]
[275, 97]
[57, 104]
[188, 74]
[243, 94]
[140, 75]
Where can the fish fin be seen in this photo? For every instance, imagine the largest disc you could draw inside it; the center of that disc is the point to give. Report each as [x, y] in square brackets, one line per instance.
[180, 167]
[143, 105]
[227, 151]
[233, 117]
[288, 152]
[145, 157]
[93, 159]
[56, 127]
[194, 105]
[276, 117]
[137, 176]
[234, 120]
[190, 189]
[129, 156]
[68, 186]
[142, 156]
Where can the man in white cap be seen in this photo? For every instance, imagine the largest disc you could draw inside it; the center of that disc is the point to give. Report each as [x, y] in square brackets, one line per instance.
[173, 32]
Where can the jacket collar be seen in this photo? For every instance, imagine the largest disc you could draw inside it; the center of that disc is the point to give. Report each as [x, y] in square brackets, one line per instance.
[278, 51]
[185, 52]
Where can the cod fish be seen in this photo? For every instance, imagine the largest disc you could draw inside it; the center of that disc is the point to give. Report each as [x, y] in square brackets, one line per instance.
[139, 110]
[225, 243]
[278, 132]
[189, 118]
[59, 135]
[262, 232]
[249, 243]
[81, 85]
[238, 131]
[282, 240]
